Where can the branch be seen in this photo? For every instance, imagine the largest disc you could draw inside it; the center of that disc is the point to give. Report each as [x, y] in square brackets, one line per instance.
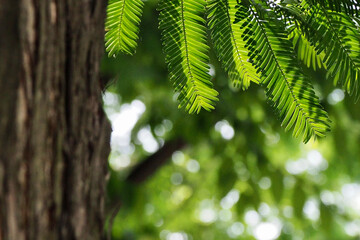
[144, 170]
[150, 165]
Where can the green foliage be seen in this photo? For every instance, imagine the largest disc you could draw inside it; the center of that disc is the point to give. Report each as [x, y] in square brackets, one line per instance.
[122, 26]
[288, 89]
[306, 52]
[255, 162]
[337, 35]
[265, 42]
[184, 39]
[349, 7]
[229, 45]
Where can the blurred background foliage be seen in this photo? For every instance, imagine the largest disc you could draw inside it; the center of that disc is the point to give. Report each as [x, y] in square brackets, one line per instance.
[239, 175]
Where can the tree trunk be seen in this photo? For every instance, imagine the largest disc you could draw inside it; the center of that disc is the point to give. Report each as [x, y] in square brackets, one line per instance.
[54, 137]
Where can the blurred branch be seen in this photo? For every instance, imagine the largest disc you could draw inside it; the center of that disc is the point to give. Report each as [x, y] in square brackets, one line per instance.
[150, 165]
[114, 212]
[106, 80]
[144, 170]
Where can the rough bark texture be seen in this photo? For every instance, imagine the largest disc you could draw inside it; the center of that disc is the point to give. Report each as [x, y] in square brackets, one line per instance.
[54, 137]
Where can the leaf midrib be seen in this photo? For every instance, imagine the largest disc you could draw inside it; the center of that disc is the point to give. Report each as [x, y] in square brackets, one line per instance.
[234, 40]
[186, 43]
[333, 30]
[282, 73]
[120, 23]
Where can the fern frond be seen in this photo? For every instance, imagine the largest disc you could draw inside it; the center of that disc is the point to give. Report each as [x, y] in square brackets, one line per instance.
[229, 46]
[338, 36]
[184, 38]
[306, 52]
[349, 7]
[122, 26]
[288, 89]
[292, 14]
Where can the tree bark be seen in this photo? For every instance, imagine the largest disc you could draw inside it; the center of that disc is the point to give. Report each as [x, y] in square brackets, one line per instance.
[54, 136]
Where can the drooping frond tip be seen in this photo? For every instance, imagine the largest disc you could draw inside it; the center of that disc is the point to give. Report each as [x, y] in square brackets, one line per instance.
[122, 26]
[184, 40]
[337, 36]
[287, 88]
[229, 45]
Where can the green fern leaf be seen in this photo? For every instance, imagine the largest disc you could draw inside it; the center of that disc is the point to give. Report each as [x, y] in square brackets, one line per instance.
[229, 46]
[306, 52]
[184, 38]
[122, 26]
[349, 7]
[288, 89]
[338, 36]
[294, 19]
